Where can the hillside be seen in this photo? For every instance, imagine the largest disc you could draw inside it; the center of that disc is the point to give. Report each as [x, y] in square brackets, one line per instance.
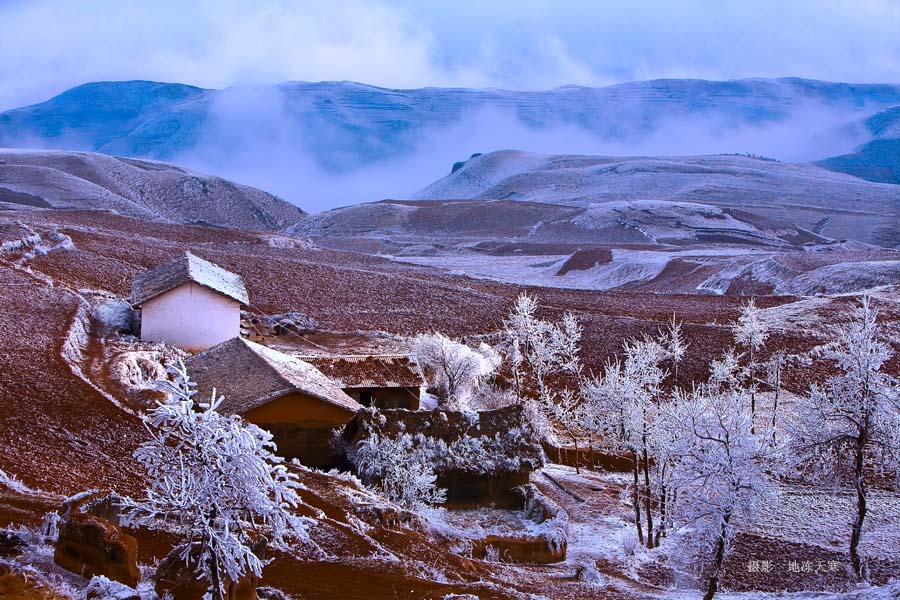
[377, 300]
[135, 188]
[831, 204]
[878, 159]
[706, 224]
[68, 430]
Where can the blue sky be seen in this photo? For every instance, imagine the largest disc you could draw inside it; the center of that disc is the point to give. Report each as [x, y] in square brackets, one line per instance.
[50, 45]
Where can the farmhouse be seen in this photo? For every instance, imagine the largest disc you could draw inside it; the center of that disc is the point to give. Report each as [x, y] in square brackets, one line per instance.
[190, 303]
[382, 381]
[289, 397]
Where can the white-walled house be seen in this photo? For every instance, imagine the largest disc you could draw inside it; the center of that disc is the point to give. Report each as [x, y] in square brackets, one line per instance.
[190, 303]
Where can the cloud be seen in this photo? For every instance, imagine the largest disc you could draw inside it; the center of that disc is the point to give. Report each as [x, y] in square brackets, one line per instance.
[254, 136]
[50, 45]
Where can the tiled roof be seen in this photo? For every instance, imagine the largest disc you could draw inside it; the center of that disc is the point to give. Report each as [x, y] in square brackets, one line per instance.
[370, 371]
[184, 269]
[250, 375]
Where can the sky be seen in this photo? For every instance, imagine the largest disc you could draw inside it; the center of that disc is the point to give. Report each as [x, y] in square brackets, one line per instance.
[48, 46]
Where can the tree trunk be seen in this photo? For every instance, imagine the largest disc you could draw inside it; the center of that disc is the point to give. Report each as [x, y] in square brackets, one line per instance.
[663, 508]
[591, 464]
[860, 485]
[215, 580]
[718, 559]
[215, 583]
[518, 385]
[575, 439]
[777, 394]
[636, 499]
[648, 498]
[752, 394]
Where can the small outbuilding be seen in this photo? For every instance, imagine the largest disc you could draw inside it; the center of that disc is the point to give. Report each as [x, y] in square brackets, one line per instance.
[292, 399]
[190, 303]
[379, 380]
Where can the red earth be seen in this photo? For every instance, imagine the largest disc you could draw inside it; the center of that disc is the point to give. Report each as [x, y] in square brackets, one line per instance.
[61, 434]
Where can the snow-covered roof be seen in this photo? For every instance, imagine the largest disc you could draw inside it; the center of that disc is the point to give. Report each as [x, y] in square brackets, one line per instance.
[250, 375]
[187, 268]
[370, 370]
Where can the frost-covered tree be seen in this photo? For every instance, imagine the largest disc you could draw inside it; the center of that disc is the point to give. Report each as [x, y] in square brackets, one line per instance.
[623, 407]
[541, 354]
[568, 410]
[724, 373]
[492, 396]
[774, 369]
[672, 339]
[216, 481]
[399, 470]
[719, 468]
[750, 332]
[456, 367]
[852, 420]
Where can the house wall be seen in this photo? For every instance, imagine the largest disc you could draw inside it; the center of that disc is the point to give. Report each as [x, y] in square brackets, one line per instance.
[190, 316]
[302, 427]
[407, 398]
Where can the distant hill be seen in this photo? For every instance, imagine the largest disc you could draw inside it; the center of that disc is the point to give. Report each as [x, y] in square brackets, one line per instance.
[830, 204]
[136, 188]
[702, 224]
[878, 159]
[346, 125]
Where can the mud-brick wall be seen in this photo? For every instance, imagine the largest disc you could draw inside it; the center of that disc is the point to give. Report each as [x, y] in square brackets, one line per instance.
[303, 427]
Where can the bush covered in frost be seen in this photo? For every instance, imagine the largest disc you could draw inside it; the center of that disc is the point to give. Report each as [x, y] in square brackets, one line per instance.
[399, 470]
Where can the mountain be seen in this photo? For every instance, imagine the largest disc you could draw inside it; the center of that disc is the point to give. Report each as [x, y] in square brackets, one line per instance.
[703, 224]
[752, 189]
[136, 188]
[878, 159]
[346, 125]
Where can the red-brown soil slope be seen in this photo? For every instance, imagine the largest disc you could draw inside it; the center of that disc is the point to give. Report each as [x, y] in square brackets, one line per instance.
[61, 434]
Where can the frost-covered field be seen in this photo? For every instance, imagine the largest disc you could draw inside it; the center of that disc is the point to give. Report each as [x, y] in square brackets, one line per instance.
[626, 267]
[712, 270]
[822, 517]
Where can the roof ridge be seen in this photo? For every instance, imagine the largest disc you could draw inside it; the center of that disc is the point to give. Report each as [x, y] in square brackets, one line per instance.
[188, 267]
[266, 360]
[273, 366]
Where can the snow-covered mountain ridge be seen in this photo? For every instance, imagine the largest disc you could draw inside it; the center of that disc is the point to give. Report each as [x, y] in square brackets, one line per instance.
[345, 126]
[702, 224]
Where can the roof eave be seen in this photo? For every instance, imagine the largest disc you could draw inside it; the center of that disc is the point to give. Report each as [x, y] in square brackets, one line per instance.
[137, 303]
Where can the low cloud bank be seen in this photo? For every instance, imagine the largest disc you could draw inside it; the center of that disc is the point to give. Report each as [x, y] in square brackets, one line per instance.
[254, 136]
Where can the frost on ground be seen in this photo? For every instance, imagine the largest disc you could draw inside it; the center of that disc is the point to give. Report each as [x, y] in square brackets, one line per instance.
[601, 535]
[709, 270]
[138, 188]
[31, 572]
[821, 517]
